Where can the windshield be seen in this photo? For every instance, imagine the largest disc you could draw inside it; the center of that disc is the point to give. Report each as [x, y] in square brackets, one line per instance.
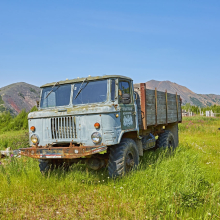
[59, 96]
[95, 91]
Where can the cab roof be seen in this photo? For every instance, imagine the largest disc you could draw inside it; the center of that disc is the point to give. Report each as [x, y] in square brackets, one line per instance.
[89, 78]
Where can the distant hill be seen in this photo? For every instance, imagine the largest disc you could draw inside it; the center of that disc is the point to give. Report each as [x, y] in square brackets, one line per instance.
[187, 95]
[211, 99]
[18, 96]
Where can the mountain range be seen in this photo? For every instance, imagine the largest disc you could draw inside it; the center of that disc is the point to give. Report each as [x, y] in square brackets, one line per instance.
[18, 96]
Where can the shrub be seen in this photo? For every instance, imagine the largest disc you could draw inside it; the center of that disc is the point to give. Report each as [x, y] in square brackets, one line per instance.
[9, 123]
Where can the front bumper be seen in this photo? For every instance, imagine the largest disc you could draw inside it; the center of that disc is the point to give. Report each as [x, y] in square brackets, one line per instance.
[61, 152]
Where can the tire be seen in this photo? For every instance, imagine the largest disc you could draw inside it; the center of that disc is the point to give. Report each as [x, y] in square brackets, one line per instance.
[123, 158]
[50, 165]
[166, 140]
[45, 166]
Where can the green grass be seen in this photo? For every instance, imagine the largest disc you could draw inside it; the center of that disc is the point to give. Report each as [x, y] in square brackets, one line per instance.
[183, 185]
[14, 139]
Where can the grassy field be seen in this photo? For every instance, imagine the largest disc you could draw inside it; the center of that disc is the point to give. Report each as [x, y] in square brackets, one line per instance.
[14, 139]
[183, 185]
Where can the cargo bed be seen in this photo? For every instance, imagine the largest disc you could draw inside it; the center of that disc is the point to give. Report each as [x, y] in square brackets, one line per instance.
[156, 107]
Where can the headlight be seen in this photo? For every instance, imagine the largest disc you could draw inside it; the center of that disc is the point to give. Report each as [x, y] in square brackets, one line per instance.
[34, 138]
[96, 137]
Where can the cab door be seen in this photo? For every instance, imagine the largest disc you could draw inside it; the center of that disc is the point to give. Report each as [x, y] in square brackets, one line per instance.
[128, 117]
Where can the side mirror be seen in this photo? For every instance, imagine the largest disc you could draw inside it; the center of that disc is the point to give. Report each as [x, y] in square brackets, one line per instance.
[126, 98]
[38, 103]
[135, 95]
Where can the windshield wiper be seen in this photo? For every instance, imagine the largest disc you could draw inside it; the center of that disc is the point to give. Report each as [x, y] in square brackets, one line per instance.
[80, 89]
[57, 83]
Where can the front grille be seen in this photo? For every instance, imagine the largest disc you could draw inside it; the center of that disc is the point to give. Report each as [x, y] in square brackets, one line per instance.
[63, 127]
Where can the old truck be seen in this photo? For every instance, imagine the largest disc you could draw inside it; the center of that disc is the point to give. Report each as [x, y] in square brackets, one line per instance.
[104, 121]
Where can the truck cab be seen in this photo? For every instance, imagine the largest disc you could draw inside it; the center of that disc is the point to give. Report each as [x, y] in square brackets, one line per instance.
[84, 112]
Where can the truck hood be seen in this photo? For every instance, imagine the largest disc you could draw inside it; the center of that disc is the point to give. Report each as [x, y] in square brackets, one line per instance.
[78, 110]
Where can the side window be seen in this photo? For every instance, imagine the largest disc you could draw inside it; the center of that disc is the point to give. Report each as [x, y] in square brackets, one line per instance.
[113, 90]
[124, 88]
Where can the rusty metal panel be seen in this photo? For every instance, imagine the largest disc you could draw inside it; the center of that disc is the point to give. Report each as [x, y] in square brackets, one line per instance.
[143, 105]
[61, 152]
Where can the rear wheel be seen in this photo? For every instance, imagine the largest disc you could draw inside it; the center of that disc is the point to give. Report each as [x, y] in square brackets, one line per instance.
[166, 140]
[50, 165]
[123, 158]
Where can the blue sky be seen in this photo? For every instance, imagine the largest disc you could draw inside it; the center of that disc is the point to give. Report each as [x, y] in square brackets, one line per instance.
[50, 40]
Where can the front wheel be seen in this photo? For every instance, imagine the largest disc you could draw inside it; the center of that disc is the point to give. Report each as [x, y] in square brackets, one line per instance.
[50, 165]
[123, 158]
[45, 165]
